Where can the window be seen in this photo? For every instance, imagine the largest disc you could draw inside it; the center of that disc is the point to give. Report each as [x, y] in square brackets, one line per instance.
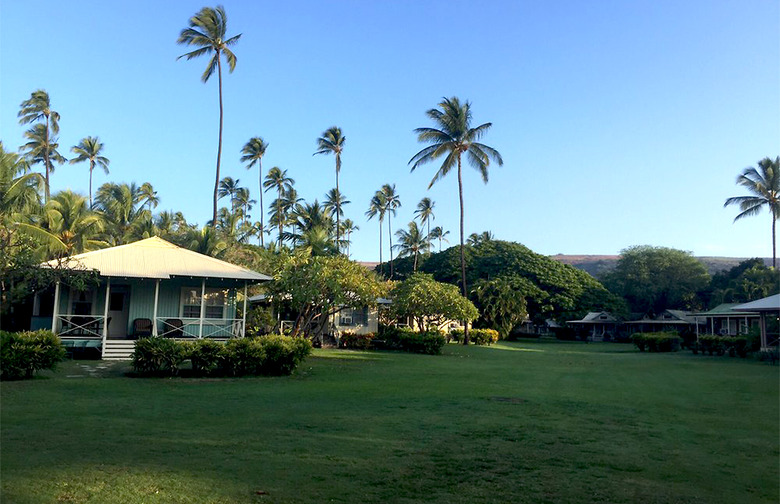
[353, 316]
[82, 303]
[215, 303]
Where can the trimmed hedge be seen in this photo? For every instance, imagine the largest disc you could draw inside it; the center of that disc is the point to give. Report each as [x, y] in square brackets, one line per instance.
[272, 355]
[720, 345]
[407, 340]
[356, 341]
[476, 336]
[657, 342]
[24, 353]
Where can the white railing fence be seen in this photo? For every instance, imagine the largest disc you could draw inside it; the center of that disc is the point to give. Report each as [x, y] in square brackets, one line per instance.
[80, 325]
[190, 327]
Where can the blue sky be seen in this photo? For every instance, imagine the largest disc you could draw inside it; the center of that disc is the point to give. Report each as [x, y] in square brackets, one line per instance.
[620, 122]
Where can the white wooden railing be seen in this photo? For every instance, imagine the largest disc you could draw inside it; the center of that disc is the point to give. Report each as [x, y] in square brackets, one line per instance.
[191, 327]
[80, 325]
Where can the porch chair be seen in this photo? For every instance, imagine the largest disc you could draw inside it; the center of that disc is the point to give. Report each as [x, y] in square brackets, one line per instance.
[142, 327]
[173, 328]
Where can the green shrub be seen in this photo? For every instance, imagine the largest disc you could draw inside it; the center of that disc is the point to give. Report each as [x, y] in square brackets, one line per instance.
[243, 356]
[429, 343]
[476, 336]
[24, 353]
[391, 337]
[657, 342]
[207, 356]
[282, 354]
[158, 356]
[720, 345]
[357, 341]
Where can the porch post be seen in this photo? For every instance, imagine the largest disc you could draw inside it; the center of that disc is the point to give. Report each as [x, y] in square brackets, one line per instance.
[56, 312]
[762, 327]
[156, 297]
[105, 317]
[202, 307]
[243, 322]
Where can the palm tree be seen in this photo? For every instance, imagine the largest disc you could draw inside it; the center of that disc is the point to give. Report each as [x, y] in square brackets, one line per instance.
[349, 227]
[229, 187]
[208, 31]
[278, 179]
[425, 212]
[307, 217]
[392, 202]
[120, 205]
[377, 207]
[18, 190]
[37, 108]
[42, 148]
[89, 149]
[206, 241]
[452, 138]
[764, 183]
[410, 242]
[438, 233]
[332, 142]
[478, 239]
[253, 152]
[70, 226]
[244, 203]
[334, 203]
[148, 195]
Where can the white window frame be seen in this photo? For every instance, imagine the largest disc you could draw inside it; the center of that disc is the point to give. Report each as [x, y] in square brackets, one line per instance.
[210, 291]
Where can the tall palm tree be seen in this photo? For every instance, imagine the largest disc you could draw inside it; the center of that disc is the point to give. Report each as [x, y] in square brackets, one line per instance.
[377, 207]
[438, 233]
[253, 152]
[425, 212]
[42, 148]
[148, 195]
[410, 242]
[90, 149]
[278, 179]
[349, 227]
[332, 142]
[229, 187]
[453, 137]
[764, 184]
[208, 32]
[392, 202]
[244, 203]
[38, 108]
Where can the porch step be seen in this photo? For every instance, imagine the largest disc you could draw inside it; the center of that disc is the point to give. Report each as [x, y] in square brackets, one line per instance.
[118, 349]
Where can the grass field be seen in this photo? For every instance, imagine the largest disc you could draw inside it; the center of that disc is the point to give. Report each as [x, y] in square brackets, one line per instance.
[516, 422]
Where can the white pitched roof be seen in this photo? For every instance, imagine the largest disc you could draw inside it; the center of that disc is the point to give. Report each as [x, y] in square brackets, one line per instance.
[157, 258]
[771, 303]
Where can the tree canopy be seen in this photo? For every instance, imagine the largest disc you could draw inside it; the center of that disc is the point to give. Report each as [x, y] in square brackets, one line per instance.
[430, 303]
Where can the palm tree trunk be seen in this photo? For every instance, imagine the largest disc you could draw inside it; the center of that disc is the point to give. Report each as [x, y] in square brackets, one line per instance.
[415, 262]
[774, 241]
[262, 208]
[279, 216]
[338, 202]
[390, 234]
[91, 166]
[381, 268]
[46, 160]
[462, 250]
[219, 148]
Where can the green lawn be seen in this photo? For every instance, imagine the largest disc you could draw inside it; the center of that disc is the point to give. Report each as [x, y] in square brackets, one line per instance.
[516, 422]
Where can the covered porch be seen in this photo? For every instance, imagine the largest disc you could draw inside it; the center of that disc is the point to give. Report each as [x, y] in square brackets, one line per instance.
[148, 288]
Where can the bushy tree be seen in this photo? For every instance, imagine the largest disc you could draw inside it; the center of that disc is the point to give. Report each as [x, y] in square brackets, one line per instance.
[747, 281]
[317, 287]
[430, 303]
[501, 302]
[652, 279]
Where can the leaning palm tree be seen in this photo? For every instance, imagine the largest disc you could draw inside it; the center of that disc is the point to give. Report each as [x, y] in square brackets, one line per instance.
[332, 142]
[392, 202]
[438, 233]
[425, 212]
[208, 32]
[41, 148]
[278, 179]
[90, 149]
[377, 207]
[38, 108]
[253, 152]
[764, 183]
[453, 137]
[349, 227]
[410, 242]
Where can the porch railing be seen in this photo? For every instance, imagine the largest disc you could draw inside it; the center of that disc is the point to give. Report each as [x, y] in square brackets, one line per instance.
[80, 325]
[190, 327]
